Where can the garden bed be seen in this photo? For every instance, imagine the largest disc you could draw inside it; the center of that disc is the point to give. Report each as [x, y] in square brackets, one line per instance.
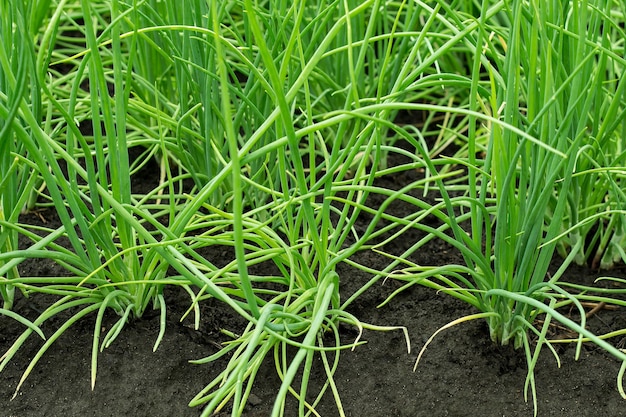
[462, 373]
[248, 204]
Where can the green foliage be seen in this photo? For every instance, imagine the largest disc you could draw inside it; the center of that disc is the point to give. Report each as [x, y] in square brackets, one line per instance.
[551, 71]
[271, 123]
[18, 177]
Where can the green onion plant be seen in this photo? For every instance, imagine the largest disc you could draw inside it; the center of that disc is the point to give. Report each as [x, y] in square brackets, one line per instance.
[115, 257]
[550, 69]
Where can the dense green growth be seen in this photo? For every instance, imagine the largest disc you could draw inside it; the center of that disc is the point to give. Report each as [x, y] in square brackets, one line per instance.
[271, 122]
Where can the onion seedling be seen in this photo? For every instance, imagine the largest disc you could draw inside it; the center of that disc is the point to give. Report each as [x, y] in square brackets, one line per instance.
[118, 253]
[547, 80]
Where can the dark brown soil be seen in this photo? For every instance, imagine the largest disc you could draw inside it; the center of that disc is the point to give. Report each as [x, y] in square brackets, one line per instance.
[462, 373]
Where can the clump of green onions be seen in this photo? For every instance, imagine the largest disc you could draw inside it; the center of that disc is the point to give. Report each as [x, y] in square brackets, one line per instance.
[554, 120]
